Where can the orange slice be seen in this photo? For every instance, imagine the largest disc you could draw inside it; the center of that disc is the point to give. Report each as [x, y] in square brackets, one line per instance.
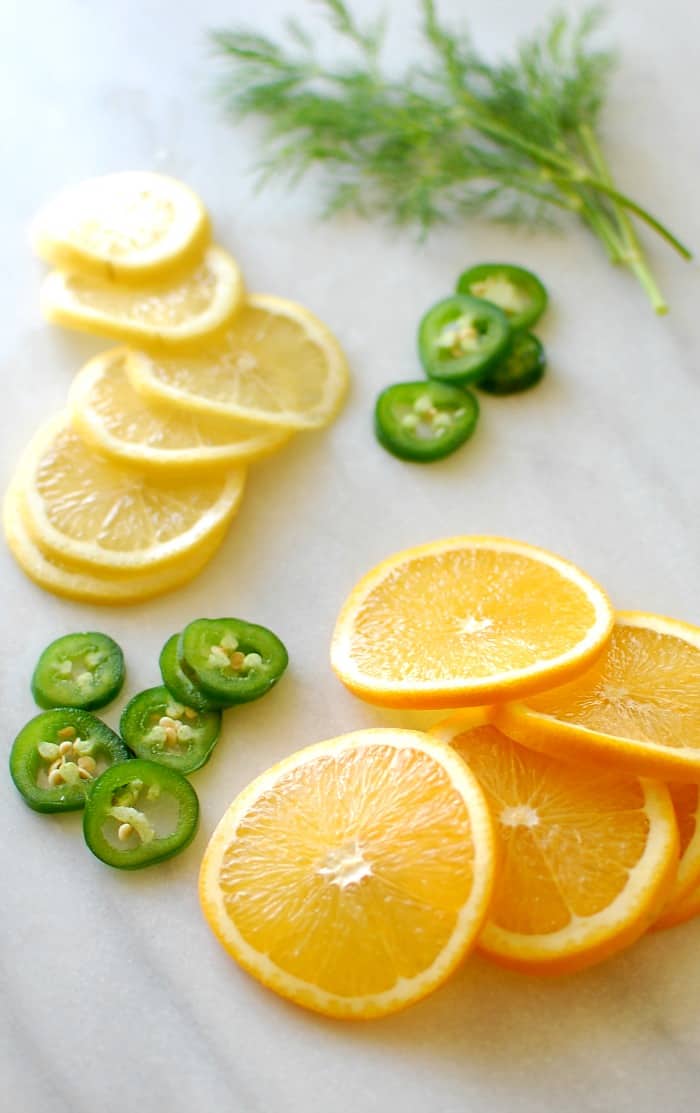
[115, 420]
[54, 575]
[353, 877]
[466, 621]
[686, 805]
[87, 511]
[162, 312]
[588, 857]
[637, 708]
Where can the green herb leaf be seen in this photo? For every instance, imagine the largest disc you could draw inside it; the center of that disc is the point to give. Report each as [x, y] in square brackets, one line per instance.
[454, 137]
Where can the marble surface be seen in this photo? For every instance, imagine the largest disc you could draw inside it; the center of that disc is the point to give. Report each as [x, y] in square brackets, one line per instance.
[114, 994]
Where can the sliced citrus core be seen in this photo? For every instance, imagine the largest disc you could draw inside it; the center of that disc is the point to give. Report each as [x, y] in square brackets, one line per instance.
[129, 225]
[94, 586]
[686, 805]
[164, 311]
[637, 707]
[109, 413]
[85, 509]
[587, 856]
[276, 365]
[353, 876]
[466, 621]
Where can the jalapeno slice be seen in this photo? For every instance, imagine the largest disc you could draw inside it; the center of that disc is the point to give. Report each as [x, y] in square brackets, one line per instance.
[79, 670]
[522, 368]
[424, 421]
[139, 813]
[57, 756]
[461, 337]
[518, 292]
[155, 726]
[231, 660]
[179, 683]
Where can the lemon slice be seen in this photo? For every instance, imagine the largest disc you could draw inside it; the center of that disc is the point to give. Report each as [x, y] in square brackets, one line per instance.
[129, 225]
[162, 312]
[95, 587]
[110, 415]
[276, 365]
[85, 510]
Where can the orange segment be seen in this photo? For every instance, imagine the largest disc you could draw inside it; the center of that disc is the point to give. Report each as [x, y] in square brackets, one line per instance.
[637, 708]
[466, 621]
[353, 876]
[587, 856]
[686, 805]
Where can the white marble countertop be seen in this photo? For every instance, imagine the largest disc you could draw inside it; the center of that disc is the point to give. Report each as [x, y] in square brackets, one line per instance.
[114, 994]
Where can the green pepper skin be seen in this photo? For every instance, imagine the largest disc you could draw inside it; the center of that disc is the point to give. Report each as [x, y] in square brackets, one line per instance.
[52, 688]
[179, 684]
[424, 421]
[484, 330]
[230, 685]
[27, 764]
[525, 282]
[521, 369]
[143, 712]
[107, 791]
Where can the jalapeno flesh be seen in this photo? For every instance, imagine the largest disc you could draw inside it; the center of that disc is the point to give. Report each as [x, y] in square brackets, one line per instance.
[58, 754]
[518, 292]
[461, 337]
[138, 813]
[521, 369]
[424, 421]
[155, 726]
[176, 680]
[79, 670]
[231, 660]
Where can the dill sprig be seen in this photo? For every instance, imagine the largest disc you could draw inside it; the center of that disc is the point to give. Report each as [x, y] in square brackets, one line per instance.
[453, 137]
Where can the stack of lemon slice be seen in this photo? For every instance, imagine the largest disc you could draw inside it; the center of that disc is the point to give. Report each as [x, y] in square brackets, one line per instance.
[129, 492]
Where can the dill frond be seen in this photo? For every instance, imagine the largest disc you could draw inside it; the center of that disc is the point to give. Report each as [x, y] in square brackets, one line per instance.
[456, 136]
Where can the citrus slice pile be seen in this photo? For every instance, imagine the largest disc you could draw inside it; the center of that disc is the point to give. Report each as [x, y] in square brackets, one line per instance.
[337, 879]
[147, 467]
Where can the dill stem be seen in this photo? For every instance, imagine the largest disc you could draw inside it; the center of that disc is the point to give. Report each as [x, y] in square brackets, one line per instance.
[634, 256]
[599, 222]
[573, 172]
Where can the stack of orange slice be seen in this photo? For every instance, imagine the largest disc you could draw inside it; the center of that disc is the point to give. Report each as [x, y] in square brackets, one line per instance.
[581, 731]
[129, 492]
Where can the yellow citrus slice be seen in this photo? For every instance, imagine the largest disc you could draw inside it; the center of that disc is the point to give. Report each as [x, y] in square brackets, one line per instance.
[163, 313]
[87, 511]
[353, 877]
[637, 708]
[127, 225]
[466, 621]
[117, 421]
[686, 805]
[276, 365]
[587, 856]
[95, 587]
